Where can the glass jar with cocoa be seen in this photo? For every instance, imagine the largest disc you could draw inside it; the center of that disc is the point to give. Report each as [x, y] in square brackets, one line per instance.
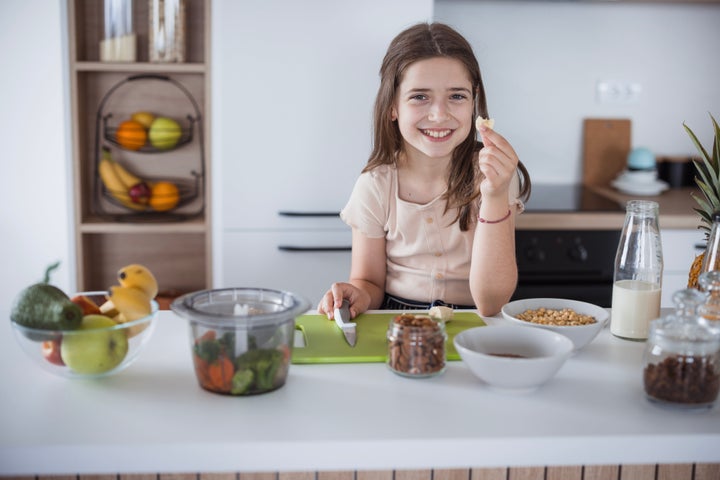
[416, 345]
[682, 356]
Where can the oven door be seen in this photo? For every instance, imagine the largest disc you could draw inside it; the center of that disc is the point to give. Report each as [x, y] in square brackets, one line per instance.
[575, 265]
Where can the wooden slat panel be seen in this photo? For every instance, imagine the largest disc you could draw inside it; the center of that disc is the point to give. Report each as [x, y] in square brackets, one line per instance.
[707, 471]
[601, 472]
[301, 476]
[681, 471]
[257, 476]
[48, 477]
[489, 474]
[138, 476]
[178, 476]
[564, 473]
[97, 477]
[637, 472]
[341, 475]
[218, 476]
[413, 474]
[29, 478]
[451, 474]
[374, 475]
[526, 473]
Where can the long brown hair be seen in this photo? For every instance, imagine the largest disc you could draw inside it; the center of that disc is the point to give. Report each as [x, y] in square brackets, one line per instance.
[420, 42]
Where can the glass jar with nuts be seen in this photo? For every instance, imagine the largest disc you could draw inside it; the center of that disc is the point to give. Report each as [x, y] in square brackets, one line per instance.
[682, 357]
[416, 345]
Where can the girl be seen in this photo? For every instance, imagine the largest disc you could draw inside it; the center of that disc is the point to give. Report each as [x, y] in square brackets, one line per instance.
[433, 212]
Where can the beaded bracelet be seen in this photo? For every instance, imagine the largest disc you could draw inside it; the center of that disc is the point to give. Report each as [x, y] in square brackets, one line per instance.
[507, 215]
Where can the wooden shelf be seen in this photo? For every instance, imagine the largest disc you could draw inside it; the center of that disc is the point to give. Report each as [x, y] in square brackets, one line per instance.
[178, 248]
[138, 67]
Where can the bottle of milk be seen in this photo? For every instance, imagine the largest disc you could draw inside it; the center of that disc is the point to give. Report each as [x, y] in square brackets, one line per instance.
[638, 272]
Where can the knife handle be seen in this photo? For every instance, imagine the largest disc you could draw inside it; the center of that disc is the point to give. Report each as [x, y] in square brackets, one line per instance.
[342, 315]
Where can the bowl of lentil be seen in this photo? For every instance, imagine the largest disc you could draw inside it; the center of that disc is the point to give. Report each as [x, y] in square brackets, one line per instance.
[511, 358]
[579, 321]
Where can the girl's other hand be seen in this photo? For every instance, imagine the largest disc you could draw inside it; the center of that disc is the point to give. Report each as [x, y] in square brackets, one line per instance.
[333, 298]
[498, 163]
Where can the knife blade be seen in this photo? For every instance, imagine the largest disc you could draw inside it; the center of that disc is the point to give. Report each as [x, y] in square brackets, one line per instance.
[342, 319]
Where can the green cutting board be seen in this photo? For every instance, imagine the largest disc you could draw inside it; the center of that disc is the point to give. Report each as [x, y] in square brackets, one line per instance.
[325, 343]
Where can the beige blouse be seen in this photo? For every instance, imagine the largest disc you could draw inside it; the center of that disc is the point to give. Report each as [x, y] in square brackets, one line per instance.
[428, 257]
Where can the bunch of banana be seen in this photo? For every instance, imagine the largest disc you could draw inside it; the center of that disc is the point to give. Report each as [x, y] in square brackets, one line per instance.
[125, 187]
[131, 300]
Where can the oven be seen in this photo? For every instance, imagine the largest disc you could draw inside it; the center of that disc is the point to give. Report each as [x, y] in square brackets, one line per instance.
[572, 264]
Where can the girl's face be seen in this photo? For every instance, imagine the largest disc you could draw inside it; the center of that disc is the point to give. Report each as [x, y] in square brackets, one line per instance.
[434, 107]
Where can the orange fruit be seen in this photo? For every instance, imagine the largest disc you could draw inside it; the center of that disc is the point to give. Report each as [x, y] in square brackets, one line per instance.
[164, 196]
[131, 134]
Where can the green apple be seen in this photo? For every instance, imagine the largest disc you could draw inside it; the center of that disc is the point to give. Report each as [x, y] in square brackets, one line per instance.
[93, 348]
[164, 133]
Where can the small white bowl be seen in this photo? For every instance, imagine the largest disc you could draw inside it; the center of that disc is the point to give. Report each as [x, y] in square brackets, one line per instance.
[580, 335]
[513, 358]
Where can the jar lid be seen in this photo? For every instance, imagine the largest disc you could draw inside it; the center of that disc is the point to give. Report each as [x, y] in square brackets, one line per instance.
[240, 307]
[686, 333]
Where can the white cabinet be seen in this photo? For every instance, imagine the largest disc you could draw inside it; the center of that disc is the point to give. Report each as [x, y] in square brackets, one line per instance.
[679, 249]
[306, 263]
[293, 90]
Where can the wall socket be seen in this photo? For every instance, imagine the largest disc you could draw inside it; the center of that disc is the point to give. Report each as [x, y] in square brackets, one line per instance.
[617, 92]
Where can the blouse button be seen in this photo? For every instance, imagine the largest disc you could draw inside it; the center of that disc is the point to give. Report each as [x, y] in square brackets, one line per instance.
[429, 220]
[438, 254]
[439, 276]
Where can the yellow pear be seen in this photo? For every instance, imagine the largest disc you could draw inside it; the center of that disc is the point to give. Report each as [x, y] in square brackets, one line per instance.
[144, 118]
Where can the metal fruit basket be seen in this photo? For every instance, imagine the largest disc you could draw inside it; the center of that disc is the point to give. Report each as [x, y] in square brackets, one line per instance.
[183, 164]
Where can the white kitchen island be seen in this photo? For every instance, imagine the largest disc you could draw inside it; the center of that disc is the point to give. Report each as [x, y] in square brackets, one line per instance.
[153, 417]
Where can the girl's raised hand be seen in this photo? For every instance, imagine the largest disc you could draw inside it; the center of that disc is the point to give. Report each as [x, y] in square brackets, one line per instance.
[498, 163]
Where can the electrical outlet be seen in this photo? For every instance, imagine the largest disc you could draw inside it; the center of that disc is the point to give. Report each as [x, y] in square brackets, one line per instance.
[617, 92]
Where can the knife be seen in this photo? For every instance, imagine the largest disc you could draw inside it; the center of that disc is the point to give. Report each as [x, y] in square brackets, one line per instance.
[342, 318]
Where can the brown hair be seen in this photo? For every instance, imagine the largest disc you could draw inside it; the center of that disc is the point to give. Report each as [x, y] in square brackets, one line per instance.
[420, 42]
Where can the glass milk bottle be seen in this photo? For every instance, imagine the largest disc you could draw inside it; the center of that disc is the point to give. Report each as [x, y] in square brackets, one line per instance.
[638, 272]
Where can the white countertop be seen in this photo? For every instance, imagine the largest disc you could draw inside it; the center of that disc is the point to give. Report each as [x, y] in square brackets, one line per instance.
[153, 417]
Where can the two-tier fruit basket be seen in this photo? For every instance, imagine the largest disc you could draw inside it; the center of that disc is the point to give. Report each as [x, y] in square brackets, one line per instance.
[149, 152]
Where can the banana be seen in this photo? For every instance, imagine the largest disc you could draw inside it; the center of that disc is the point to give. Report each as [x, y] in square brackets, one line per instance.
[131, 304]
[138, 276]
[113, 182]
[128, 179]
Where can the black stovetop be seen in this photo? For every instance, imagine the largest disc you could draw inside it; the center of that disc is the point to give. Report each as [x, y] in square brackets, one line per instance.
[568, 198]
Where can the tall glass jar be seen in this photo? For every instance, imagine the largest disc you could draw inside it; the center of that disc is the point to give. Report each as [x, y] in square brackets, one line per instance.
[682, 357]
[711, 259]
[166, 36]
[416, 345]
[638, 272]
[709, 283]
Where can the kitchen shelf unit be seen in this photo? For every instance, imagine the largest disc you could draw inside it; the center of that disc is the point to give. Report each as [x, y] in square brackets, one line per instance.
[177, 250]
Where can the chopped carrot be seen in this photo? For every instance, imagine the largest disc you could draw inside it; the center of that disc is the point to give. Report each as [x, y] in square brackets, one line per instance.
[221, 373]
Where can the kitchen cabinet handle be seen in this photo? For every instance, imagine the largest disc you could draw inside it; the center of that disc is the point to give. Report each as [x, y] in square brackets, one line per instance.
[286, 213]
[295, 248]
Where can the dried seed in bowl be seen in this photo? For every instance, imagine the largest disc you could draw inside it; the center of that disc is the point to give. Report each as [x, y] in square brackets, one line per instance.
[564, 317]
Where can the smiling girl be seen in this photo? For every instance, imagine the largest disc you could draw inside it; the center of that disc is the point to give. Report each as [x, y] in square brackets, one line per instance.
[433, 212]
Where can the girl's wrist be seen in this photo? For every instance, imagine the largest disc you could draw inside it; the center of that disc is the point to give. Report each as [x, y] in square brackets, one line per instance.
[501, 219]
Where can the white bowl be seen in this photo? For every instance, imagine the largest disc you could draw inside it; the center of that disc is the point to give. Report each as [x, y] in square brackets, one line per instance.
[489, 353]
[580, 335]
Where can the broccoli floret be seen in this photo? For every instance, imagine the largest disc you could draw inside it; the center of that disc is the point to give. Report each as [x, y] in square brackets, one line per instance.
[263, 363]
[242, 381]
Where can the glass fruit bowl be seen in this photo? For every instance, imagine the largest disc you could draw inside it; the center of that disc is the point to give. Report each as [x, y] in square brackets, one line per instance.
[100, 347]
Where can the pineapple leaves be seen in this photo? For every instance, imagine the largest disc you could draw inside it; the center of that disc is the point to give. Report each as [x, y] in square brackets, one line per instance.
[708, 176]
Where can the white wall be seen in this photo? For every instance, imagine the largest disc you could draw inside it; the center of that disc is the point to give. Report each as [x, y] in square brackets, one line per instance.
[35, 209]
[541, 61]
